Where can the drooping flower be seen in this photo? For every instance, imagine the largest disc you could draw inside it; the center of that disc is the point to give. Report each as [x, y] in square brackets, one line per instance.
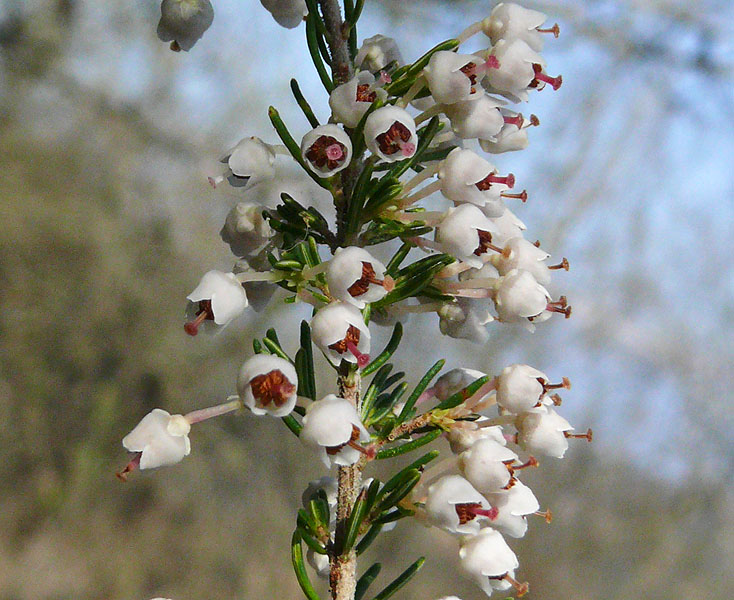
[159, 440]
[377, 52]
[465, 319]
[217, 299]
[267, 385]
[327, 149]
[454, 381]
[287, 13]
[332, 427]
[513, 505]
[356, 277]
[485, 465]
[390, 133]
[250, 162]
[520, 388]
[454, 505]
[183, 22]
[522, 254]
[509, 21]
[340, 333]
[507, 226]
[519, 298]
[520, 69]
[488, 560]
[478, 118]
[542, 430]
[453, 77]
[349, 101]
[245, 229]
[464, 234]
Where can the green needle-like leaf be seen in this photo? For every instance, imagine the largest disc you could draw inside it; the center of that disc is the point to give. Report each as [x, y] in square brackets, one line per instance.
[388, 501]
[275, 348]
[398, 479]
[401, 580]
[300, 568]
[303, 103]
[419, 389]
[384, 356]
[292, 424]
[354, 522]
[463, 394]
[368, 538]
[366, 580]
[409, 446]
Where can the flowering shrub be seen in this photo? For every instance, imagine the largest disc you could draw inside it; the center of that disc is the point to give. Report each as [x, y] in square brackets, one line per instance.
[398, 133]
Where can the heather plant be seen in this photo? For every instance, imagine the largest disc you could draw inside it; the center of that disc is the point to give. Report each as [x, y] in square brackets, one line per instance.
[421, 225]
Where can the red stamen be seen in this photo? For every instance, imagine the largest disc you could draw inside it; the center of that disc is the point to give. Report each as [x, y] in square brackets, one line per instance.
[129, 467]
[522, 588]
[531, 462]
[554, 82]
[492, 62]
[205, 312]
[561, 265]
[548, 515]
[556, 399]
[559, 307]
[555, 30]
[534, 120]
[565, 383]
[588, 435]
[522, 196]
[487, 182]
[362, 359]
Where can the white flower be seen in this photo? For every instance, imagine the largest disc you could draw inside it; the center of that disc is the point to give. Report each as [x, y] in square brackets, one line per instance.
[377, 52]
[250, 162]
[520, 298]
[452, 77]
[513, 504]
[326, 149]
[517, 71]
[356, 277]
[341, 334]
[543, 431]
[464, 233]
[267, 385]
[454, 381]
[183, 22]
[319, 563]
[484, 465]
[467, 178]
[487, 559]
[476, 118]
[510, 21]
[454, 505]
[507, 226]
[522, 254]
[287, 13]
[326, 483]
[352, 99]
[219, 297]
[390, 133]
[465, 319]
[160, 438]
[332, 427]
[509, 139]
[245, 229]
[463, 434]
[520, 388]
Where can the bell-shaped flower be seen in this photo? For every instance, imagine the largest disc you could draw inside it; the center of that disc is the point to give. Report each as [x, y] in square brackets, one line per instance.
[522, 254]
[245, 229]
[465, 319]
[183, 22]
[517, 70]
[464, 234]
[159, 440]
[356, 277]
[520, 388]
[467, 178]
[389, 133]
[519, 298]
[218, 299]
[250, 162]
[377, 52]
[509, 139]
[455, 381]
[340, 333]
[454, 505]
[267, 385]
[478, 118]
[453, 77]
[332, 427]
[326, 149]
[513, 505]
[510, 21]
[287, 13]
[464, 434]
[543, 431]
[487, 559]
[349, 101]
[485, 465]
[507, 227]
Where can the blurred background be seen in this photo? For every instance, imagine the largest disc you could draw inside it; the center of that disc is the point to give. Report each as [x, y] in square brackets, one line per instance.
[107, 222]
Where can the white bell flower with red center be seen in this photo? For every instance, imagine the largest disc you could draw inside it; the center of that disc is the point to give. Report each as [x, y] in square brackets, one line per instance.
[487, 559]
[218, 299]
[521, 69]
[519, 253]
[250, 162]
[287, 13]
[245, 229]
[485, 465]
[356, 277]
[332, 427]
[507, 226]
[349, 101]
[454, 505]
[478, 118]
[464, 234]
[464, 434]
[465, 319]
[509, 21]
[519, 298]
[520, 388]
[390, 133]
[267, 385]
[453, 77]
[455, 381]
[377, 52]
[542, 430]
[327, 149]
[183, 22]
[468, 178]
[514, 504]
[340, 333]
[159, 440]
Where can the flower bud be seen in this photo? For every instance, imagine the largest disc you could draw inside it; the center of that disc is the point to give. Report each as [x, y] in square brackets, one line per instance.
[287, 13]
[377, 52]
[267, 385]
[327, 150]
[455, 381]
[183, 22]
[332, 427]
[161, 438]
[465, 319]
[389, 133]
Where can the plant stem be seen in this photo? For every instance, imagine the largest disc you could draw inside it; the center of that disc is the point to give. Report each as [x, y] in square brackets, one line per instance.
[343, 575]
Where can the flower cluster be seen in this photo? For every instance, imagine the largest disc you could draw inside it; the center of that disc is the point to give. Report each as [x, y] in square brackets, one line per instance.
[398, 134]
